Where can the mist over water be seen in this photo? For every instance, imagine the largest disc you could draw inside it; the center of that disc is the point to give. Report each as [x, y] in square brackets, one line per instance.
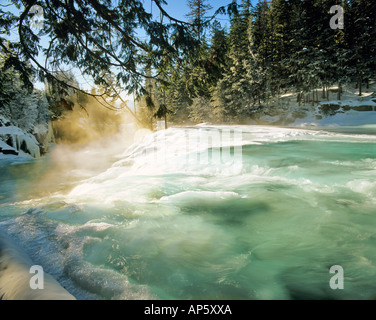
[201, 213]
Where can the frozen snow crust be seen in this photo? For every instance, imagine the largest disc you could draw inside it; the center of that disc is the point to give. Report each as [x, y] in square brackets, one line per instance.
[15, 276]
[15, 142]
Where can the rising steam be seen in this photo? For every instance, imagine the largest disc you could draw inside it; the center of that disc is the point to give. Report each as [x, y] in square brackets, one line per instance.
[89, 138]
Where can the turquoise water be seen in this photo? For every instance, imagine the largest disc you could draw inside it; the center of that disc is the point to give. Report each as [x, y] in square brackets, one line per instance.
[202, 213]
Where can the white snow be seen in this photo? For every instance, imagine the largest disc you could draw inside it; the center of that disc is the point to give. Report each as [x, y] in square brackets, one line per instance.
[15, 276]
[350, 111]
[348, 118]
[4, 146]
[23, 142]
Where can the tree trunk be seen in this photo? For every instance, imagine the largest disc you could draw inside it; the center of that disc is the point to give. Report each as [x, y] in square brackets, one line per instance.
[360, 86]
[278, 96]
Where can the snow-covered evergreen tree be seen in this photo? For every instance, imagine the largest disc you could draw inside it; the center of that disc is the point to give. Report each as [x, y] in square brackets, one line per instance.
[234, 91]
[361, 28]
[198, 15]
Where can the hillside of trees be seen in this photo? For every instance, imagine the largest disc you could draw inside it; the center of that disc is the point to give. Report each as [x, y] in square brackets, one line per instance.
[191, 71]
[271, 48]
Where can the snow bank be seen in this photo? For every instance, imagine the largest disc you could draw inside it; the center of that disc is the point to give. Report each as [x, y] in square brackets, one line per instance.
[15, 277]
[14, 141]
[20, 140]
[354, 111]
[348, 118]
[7, 150]
[336, 113]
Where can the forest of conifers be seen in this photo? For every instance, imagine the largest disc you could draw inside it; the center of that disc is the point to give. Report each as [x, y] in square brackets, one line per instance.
[272, 48]
[197, 69]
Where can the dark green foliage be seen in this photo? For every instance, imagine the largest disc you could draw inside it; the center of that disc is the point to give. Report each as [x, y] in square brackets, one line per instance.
[273, 47]
[198, 16]
[200, 69]
[162, 112]
[98, 37]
